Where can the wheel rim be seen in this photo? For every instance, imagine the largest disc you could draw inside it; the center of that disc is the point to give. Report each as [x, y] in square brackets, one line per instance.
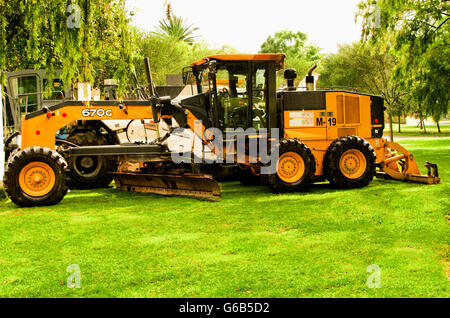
[88, 166]
[36, 179]
[291, 167]
[353, 164]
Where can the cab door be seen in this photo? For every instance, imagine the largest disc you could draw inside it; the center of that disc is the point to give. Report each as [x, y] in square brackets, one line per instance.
[233, 91]
[259, 96]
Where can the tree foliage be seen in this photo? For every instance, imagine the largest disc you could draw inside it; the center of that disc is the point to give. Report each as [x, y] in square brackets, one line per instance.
[299, 53]
[176, 27]
[169, 55]
[364, 68]
[418, 33]
[367, 69]
[87, 38]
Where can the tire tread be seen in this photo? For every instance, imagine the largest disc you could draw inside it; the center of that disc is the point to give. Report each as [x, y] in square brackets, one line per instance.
[332, 157]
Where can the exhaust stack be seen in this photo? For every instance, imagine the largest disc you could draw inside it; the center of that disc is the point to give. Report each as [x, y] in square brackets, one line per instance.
[309, 78]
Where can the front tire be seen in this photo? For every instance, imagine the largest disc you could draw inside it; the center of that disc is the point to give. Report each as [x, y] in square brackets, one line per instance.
[349, 162]
[295, 167]
[36, 177]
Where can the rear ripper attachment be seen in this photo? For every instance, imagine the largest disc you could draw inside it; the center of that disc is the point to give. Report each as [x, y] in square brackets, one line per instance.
[399, 164]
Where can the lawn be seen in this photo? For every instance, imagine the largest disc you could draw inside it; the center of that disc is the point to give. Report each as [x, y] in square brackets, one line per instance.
[250, 244]
[413, 130]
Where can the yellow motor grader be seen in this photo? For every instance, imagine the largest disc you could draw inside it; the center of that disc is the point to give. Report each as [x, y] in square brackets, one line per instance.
[318, 135]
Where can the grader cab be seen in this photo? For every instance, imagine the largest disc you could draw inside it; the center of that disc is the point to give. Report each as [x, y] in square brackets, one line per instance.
[318, 135]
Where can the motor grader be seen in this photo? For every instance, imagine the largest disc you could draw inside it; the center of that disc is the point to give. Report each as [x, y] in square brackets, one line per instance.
[333, 135]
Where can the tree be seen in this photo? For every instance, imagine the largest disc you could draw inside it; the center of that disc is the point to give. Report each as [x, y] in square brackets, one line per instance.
[299, 53]
[367, 69]
[418, 33]
[168, 55]
[175, 27]
[81, 37]
[172, 47]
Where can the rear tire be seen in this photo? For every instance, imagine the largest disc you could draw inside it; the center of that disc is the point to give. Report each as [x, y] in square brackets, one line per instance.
[36, 177]
[295, 167]
[350, 162]
[89, 172]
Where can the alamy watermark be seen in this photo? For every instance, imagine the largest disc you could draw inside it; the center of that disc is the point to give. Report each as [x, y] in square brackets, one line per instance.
[374, 280]
[374, 18]
[74, 279]
[74, 19]
[235, 146]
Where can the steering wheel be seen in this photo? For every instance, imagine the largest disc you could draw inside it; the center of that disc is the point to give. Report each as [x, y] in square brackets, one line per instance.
[236, 116]
[260, 114]
[224, 92]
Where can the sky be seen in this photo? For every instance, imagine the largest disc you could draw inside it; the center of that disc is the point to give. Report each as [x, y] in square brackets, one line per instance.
[246, 24]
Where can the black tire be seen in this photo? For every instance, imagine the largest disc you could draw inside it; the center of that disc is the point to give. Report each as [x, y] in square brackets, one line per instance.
[38, 155]
[97, 173]
[276, 184]
[246, 176]
[10, 148]
[12, 153]
[9, 151]
[332, 162]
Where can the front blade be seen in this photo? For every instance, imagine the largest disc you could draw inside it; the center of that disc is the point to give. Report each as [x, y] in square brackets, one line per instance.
[193, 185]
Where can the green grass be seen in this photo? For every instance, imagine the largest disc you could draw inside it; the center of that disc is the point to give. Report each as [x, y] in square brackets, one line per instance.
[413, 130]
[250, 244]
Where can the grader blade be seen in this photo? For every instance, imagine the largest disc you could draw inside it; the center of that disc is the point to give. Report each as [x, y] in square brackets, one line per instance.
[400, 164]
[192, 185]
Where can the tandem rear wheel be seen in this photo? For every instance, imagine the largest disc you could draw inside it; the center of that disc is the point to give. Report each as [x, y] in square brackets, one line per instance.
[295, 167]
[349, 162]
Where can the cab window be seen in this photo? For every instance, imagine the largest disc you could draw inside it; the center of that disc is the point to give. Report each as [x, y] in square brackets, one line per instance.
[57, 89]
[259, 97]
[204, 82]
[26, 92]
[232, 95]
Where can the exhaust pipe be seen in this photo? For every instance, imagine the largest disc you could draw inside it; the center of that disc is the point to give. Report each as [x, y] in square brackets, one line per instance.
[309, 78]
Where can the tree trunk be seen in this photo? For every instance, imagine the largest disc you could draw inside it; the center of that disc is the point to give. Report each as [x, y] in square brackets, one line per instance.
[2, 149]
[420, 117]
[391, 127]
[424, 128]
[438, 127]
[399, 119]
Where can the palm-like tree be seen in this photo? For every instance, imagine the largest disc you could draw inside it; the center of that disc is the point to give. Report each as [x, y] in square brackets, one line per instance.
[176, 27]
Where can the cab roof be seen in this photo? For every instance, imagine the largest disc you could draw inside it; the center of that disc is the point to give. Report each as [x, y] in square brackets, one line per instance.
[277, 57]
